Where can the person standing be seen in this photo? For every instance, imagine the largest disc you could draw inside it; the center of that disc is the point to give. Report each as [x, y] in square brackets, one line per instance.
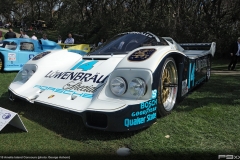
[21, 34]
[69, 40]
[100, 43]
[59, 40]
[10, 34]
[44, 37]
[235, 54]
[34, 36]
[25, 35]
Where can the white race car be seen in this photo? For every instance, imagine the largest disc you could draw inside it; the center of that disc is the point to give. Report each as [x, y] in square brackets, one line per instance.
[125, 84]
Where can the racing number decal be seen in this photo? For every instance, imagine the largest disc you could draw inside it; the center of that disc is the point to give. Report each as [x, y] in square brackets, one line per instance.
[84, 66]
[191, 75]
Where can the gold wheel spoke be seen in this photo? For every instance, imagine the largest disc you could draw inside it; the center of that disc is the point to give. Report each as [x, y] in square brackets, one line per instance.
[166, 79]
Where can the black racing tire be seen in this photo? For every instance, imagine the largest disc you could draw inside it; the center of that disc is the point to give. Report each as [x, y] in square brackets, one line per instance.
[167, 87]
[1, 63]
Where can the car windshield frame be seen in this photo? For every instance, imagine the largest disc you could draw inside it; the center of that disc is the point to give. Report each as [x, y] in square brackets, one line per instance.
[123, 43]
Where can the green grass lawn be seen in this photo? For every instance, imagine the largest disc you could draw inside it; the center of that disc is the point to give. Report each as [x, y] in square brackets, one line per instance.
[204, 125]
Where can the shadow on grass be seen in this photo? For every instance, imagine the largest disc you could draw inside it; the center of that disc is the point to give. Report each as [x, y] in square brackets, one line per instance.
[11, 129]
[64, 124]
[221, 89]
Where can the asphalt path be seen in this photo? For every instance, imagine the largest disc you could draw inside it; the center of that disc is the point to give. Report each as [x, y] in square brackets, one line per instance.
[226, 72]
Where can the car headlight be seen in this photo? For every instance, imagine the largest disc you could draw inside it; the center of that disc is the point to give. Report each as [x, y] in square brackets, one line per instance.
[118, 86]
[137, 87]
[25, 73]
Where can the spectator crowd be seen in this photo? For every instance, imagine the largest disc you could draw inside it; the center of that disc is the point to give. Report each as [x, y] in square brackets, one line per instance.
[23, 34]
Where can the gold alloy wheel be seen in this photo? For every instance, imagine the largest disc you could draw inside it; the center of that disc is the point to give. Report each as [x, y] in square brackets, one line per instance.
[169, 84]
[165, 80]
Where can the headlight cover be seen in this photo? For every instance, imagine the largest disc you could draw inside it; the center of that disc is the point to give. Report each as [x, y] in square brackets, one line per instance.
[118, 86]
[25, 73]
[137, 87]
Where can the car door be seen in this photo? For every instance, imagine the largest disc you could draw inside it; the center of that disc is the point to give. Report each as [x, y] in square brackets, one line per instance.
[11, 57]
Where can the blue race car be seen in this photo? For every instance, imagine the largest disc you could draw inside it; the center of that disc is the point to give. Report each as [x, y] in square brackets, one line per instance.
[15, 52]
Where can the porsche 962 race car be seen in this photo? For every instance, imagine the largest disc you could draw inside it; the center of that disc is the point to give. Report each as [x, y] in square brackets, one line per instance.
[123, 85]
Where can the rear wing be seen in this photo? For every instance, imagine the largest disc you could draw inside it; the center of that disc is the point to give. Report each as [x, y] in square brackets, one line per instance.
[200, 46]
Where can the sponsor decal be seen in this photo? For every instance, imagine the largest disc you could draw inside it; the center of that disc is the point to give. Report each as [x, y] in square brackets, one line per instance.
[6, 116]
[31, 56]
[142, 33]
[201, 63]
[77, 86]
[191, 75]
[84, 66]
[51, 96]
[184, 87]
[141, 55]
[13, 65]
[11, 56]
[194, 70]
[154, 94]
[77, 76]
[39, 56]
[146, 112]
[63, 91]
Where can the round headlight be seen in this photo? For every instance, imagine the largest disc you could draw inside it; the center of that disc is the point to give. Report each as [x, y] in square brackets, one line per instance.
[137, 87]
[118, 86]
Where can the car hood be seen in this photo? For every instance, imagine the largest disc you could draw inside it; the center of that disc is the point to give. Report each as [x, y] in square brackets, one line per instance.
[73, 87]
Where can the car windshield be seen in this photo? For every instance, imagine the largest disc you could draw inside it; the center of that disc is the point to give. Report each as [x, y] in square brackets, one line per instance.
[125, 42]
[9, 45]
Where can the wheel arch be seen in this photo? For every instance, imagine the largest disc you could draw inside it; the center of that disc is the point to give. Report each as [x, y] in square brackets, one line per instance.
[2, 57]
[180, 61]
